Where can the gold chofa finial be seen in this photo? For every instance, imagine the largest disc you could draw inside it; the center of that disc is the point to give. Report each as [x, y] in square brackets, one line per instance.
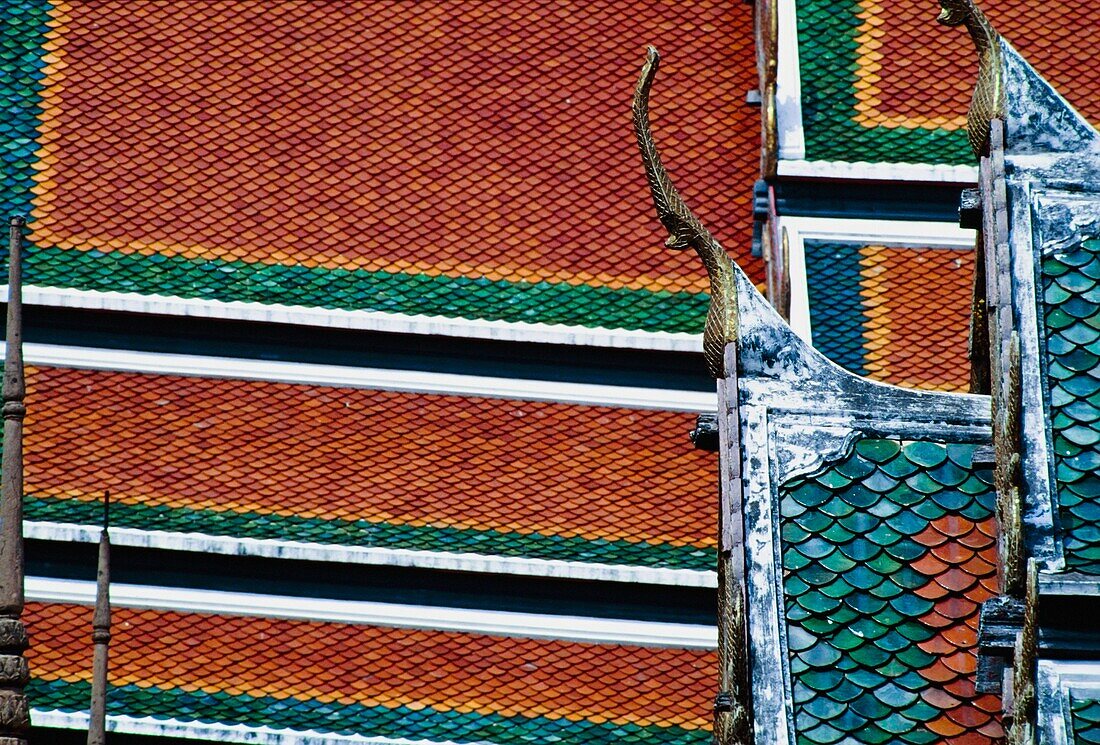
[988, 102]
[686, 231]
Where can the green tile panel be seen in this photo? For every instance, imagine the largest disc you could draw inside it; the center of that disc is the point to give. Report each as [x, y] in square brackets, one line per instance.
[361, 290]
[862, 593]
[1086, 720]
[827, 31]
[22, 27]
[1071, 294]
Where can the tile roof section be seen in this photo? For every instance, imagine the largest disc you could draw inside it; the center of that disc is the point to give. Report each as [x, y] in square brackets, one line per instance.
[372, 681]
[887, 556]
[355, 467]
[1071, 316]
[440, 159]
[1086, 720]
[871, 311]
[883, 82]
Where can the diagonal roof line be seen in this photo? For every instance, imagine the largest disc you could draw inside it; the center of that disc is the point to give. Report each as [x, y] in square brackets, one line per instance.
[411, 381]
[465, 620]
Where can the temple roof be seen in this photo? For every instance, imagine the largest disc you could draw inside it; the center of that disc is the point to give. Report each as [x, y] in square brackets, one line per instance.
[897, 314]
[426, 160]
[883, 83]
[351, 470]
[1071, 327]
[207, 673]
[887, 554]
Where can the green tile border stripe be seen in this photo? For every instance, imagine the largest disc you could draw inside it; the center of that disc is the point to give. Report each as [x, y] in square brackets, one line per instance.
[334, 718]
[360, 290]
[827, 31]
[364, 534]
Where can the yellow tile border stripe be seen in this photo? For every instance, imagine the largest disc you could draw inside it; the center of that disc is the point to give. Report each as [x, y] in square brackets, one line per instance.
[868, 90]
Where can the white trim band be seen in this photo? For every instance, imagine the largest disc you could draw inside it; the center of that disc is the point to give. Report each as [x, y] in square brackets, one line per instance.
[864, 171]
[158, 727]
[464, 620]
[412, 381]
[301, 551]
[923, 234]
[788, 85]
[361, 320]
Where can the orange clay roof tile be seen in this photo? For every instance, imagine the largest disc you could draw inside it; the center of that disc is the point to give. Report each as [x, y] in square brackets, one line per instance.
[370, 680]
[368, 468]
[460, 159]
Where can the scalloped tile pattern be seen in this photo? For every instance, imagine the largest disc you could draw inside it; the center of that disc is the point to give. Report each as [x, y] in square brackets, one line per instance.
[887, 554]
[869, 311]
[883, 82]
[469, 160]
[1071, 289]
[1086, 720]
[373, 681]
[345, 466]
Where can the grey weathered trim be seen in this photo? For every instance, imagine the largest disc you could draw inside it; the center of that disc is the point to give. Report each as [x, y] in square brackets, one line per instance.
[1069, 583]
[1056, 682]
[1040, 515]
[773, 717]
[1047, 180]
[1038, 118]
[799, 411]
[1054, 716]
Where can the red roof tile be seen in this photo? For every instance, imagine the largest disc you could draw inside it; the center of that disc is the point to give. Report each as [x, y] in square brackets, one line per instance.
[325, 453]
[344, 665]
[479, 140]
[925, 70]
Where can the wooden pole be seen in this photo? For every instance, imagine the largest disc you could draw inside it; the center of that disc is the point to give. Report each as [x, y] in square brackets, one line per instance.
[14, 673]
[101, 634]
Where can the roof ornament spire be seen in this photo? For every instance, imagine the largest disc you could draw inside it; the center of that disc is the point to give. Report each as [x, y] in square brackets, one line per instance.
[101, 633]
[14, 673]
[988, 102]
[686, 231]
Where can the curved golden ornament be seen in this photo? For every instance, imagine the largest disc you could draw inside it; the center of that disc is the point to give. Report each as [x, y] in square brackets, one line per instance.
[988, 102]
[686, 231]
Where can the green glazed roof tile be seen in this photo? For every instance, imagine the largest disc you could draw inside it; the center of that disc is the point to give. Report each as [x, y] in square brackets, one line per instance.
[361, 533]
[1085, 720]
[1071, 314]
[856, 631]
[828, 52]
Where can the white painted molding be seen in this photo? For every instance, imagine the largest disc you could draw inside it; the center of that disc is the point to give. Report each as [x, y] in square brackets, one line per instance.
[302, 551]
[788, 86]
[1056, 681]
[360, 320]
[792, 131]
[412, 381]
[464, 620]
[864, 171]
[216, 732]
[869, 232]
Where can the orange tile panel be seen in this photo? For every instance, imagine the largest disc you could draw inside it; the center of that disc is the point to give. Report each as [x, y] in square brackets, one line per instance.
[917, 70]
[916, 304]
[379, 666]
[480, 139]
[342, 453]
